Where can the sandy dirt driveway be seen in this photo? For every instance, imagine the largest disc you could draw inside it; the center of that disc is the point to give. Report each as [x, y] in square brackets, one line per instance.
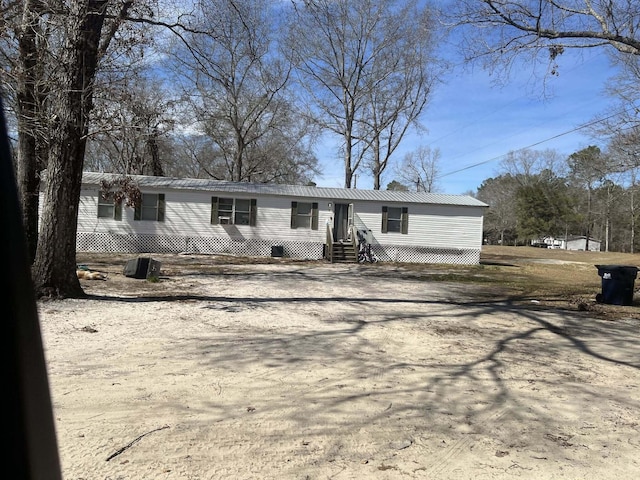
[335, 372]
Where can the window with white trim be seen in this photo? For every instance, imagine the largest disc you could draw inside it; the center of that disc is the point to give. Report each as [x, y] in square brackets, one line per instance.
[108, 207]
[236, 211]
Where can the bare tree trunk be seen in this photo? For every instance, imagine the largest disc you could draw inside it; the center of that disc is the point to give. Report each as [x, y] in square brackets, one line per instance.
[28, 164]
[54, 269]
[348, 173]
[28, 186]
[348, 155]
[633, 211]
[586, 247]
[377, 165]
[633, 225]
[237, 163]
[154, 154]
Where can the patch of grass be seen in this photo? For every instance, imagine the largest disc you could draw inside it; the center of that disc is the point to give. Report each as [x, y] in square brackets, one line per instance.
[560, 278]
[535, 276]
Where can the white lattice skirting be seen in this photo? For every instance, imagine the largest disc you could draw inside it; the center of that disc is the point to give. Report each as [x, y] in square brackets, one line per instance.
[104, 242]
[402, 253]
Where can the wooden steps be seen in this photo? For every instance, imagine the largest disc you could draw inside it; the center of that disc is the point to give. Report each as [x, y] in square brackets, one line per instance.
[344, 252]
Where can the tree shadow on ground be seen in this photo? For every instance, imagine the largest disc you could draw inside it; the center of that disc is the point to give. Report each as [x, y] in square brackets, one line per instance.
[469, 382]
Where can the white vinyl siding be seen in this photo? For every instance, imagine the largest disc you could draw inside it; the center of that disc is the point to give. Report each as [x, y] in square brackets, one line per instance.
[188, 212]
[439, 226]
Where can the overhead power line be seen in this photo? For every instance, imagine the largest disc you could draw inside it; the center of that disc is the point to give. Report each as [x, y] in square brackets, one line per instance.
[493, 159]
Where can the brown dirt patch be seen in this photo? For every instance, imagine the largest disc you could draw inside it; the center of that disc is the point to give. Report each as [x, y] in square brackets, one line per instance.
[519, 275]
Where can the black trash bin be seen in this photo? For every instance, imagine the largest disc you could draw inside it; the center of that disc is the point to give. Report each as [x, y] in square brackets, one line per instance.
[617, 284]
[142, 267]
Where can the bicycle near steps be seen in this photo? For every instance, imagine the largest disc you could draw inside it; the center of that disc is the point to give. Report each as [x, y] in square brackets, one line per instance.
[365, 251]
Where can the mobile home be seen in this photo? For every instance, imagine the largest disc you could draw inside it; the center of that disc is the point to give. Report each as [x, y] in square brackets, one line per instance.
[202, 216]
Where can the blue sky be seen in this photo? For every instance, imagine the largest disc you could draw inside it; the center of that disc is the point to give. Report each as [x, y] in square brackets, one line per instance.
[471, 121]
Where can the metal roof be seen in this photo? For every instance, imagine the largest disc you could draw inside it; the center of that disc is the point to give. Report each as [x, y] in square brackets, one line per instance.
[210, 185]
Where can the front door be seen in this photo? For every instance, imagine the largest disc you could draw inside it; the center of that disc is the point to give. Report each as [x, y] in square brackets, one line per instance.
[342, 218]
